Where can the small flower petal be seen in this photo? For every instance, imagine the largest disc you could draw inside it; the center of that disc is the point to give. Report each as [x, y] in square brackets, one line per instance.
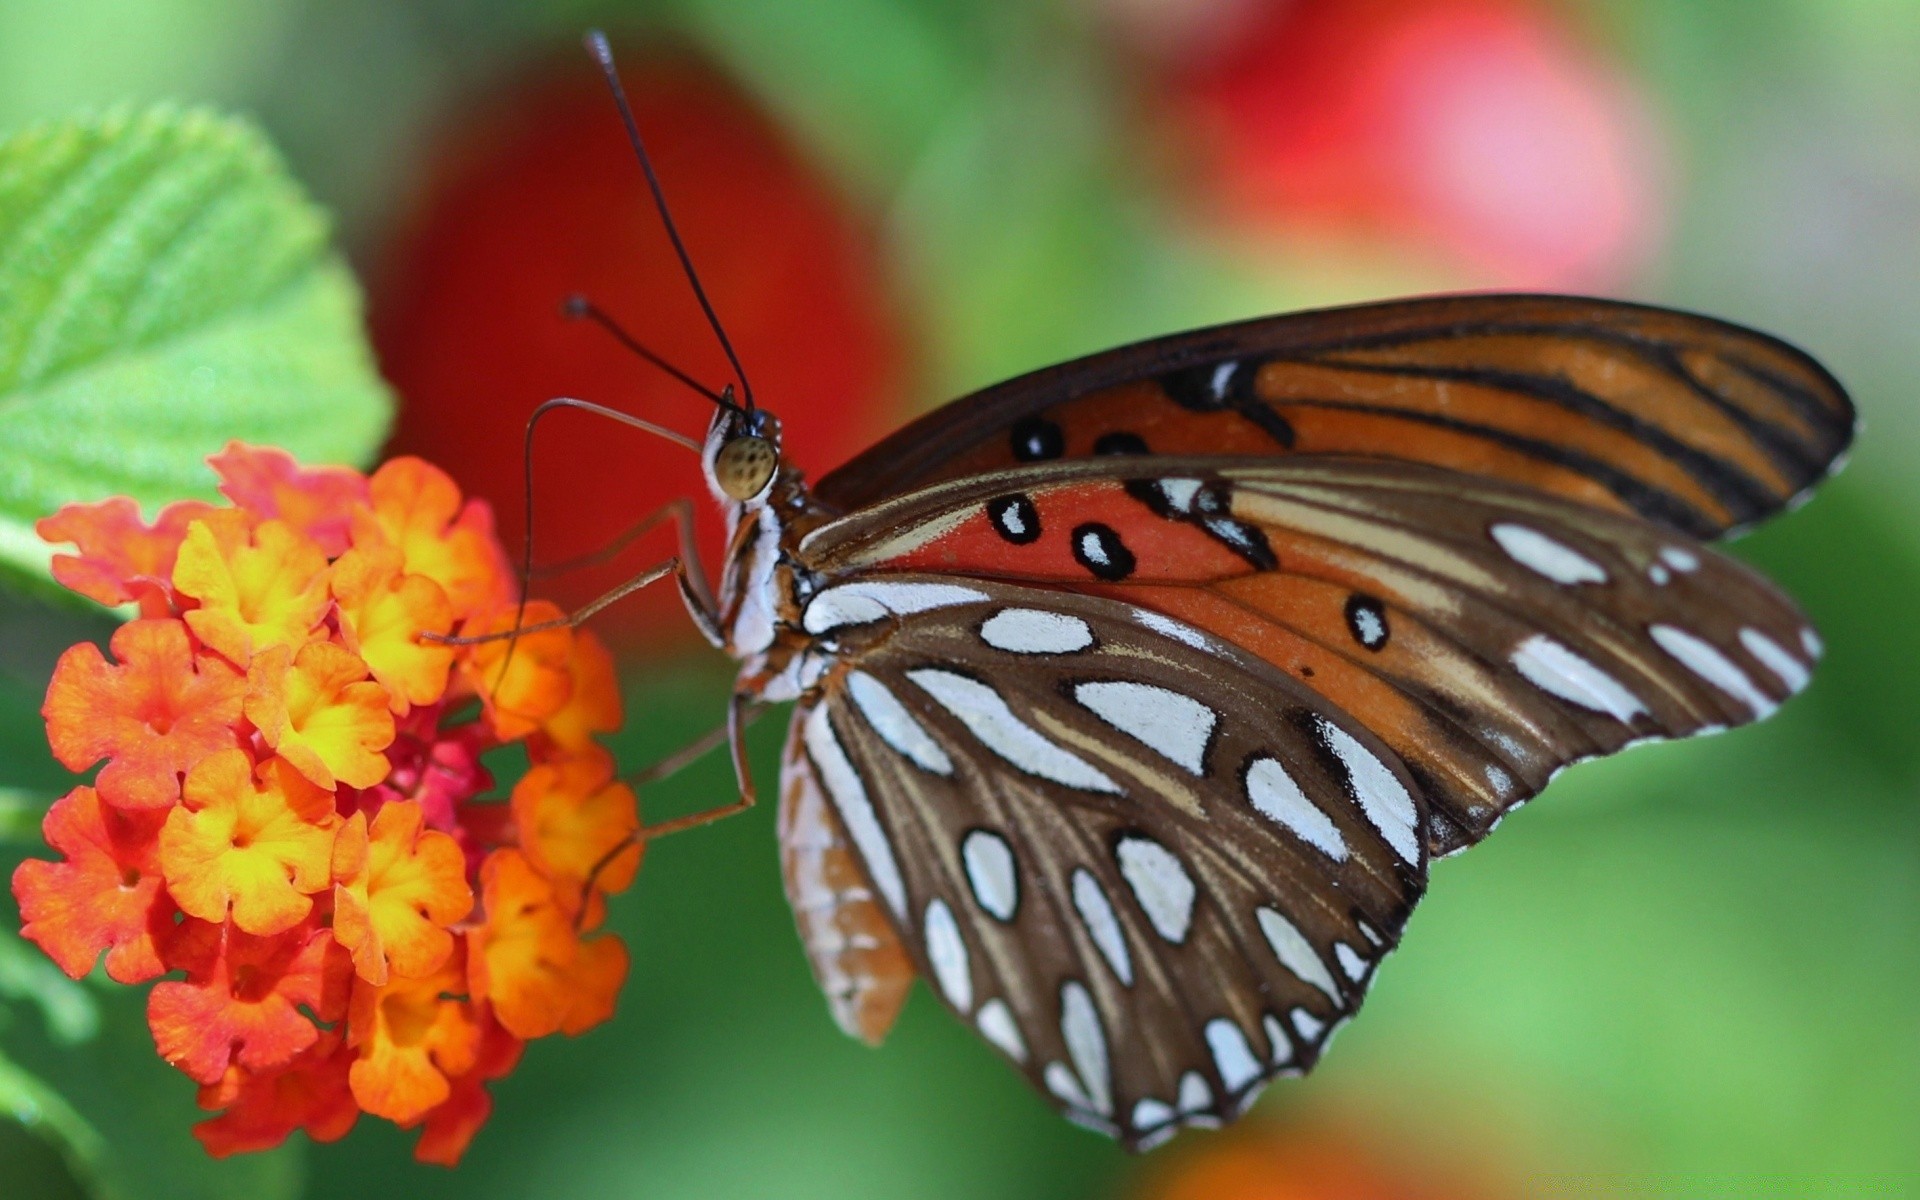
[241, 1000]
[451, 1125]
[417, 508]
[593, 697]
[383, 614]
[318, 502]
[572, 814]
[529, 964]
[268, 591]
[318, 712]
[121, 559]
[410, 1037]
[158, 712]
[262, 1108]
[258, 842]
[400, 885]
[105, 896]
[527, 685]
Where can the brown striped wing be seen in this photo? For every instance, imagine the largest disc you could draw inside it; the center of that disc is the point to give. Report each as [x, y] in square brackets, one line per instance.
[1688, 421]
[1488, 634]
[1152, 871]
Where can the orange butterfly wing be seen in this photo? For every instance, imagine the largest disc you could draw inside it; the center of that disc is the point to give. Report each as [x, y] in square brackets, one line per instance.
[1688, 421]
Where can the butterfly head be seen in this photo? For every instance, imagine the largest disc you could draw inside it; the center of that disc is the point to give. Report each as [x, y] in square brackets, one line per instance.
[742, 453]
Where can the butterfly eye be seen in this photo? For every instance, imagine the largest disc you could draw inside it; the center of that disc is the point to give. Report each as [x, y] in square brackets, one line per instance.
[744, 465]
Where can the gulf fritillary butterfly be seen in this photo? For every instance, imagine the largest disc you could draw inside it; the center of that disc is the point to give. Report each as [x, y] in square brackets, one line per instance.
[1134, 696]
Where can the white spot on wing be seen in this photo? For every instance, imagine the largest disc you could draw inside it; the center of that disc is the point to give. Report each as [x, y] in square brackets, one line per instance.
[1086, 1043]
[1032, 631]
[1383, 798]
[998, 1026]
[1811, 643]
[1705, 660]
[849, 795]
[1195, 1096]
[869, 600]
[1558, 671]
[1790, 670]
[1160, 884]
[1295, 952]
[1151, 1114]
[1351, 961]
[1679, 559]
[991, 872]
[1179, 631]
[947, 951]
[895, 725]
[1164, 720]
[1306, 1024]
[988, 718]
[1547, 556]
[1103, 926]
[1062, 1082]
[1094, 550]
[1179, 493]
[1279, 799]
[1231, 1054]
[1277, 1038]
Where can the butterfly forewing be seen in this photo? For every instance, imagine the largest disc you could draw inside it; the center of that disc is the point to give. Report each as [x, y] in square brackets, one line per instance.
[1150, 869]
[1489, 634]
[1688, 421]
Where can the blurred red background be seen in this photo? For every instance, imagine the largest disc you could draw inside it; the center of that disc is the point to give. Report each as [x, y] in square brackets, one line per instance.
[1484, 140]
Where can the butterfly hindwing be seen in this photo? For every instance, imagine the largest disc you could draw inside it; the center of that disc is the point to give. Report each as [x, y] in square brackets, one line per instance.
[1488, 633]
[1690, 422]
[1152, 870]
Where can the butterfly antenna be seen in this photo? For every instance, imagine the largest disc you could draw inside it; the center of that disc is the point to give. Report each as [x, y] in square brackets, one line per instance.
[579, 308]
[603, 54]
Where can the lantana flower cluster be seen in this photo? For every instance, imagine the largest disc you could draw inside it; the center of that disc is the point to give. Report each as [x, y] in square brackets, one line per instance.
[290, 826]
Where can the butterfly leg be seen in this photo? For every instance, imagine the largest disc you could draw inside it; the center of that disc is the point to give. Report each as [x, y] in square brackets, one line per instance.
[695, 592]
[741, 712]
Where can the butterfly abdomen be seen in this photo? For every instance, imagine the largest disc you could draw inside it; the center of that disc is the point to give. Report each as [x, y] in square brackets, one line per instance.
[856, 956]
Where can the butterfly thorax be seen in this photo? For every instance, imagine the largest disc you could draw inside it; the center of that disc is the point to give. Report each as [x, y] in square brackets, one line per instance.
[764, 587]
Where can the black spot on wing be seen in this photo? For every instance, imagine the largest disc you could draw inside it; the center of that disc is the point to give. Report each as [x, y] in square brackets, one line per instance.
[1015, 519]
[1120, 442]
[1367, 621]
[1227, 387]
[1099, 549]
[1036, 439]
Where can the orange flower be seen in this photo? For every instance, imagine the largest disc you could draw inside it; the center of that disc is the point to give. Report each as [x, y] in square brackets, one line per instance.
[318, 502]
[308, 1093]
[241, 1000]
[528, 962]
[525, 686]
[122, 560]
[105, 896]
[158, 712]
[451, 1125]
[593, 696]
[298, 842]
[269, 590]
[398, 887]
[571, 814]
[417, 508]
[409, 1039]
[320, 714]
[258, 841]
[382, 615]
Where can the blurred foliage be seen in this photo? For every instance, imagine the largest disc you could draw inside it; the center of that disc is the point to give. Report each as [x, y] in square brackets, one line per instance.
[1690, 969]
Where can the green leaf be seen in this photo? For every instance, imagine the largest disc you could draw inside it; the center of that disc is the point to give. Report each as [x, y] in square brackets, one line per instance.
[165, 286]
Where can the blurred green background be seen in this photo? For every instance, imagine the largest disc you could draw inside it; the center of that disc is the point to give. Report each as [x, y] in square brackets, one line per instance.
[1690, 969]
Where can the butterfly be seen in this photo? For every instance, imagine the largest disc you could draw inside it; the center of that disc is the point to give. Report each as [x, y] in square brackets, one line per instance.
[1134, 697]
